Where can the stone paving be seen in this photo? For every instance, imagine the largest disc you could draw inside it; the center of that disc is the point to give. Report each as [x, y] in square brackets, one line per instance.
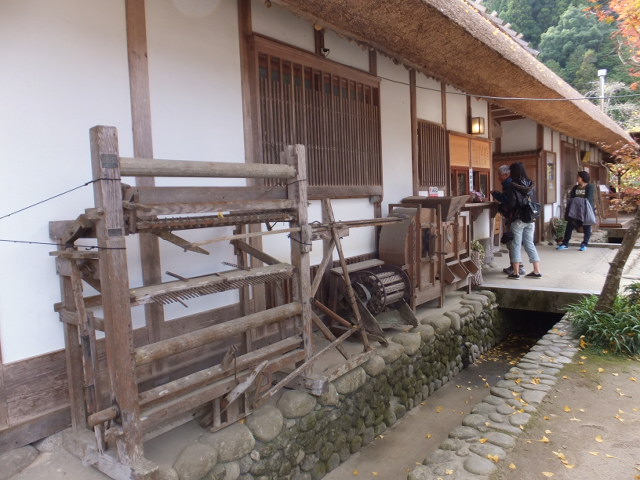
[490, 431]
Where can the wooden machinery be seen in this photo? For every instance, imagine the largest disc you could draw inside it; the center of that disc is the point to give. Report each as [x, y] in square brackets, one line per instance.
[131, 384]
[431, 243]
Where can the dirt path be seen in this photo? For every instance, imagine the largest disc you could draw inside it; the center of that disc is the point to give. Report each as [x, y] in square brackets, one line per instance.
[588, 427]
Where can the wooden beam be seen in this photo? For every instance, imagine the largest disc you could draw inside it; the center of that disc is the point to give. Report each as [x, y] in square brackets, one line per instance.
[155, 195]
[171, 346]
[318, 40]
[143, 147]
[373, 62]
[110, 230]
[414, 131]
[151, 167]
[28, 430]
[209, 207]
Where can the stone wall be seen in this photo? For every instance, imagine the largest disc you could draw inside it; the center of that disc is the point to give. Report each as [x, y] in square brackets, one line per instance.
[303, 437]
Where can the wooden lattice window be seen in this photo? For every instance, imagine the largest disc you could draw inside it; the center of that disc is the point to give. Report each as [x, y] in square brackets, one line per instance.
[332, 110]
[432, 155]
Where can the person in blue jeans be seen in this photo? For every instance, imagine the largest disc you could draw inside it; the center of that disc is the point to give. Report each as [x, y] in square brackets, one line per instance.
[521, 185]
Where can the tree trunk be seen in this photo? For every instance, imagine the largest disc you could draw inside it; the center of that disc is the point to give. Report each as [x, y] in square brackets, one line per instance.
[612, 283]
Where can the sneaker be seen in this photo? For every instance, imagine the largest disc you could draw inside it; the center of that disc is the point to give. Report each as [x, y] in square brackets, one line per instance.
[562, 247]
[582, 248]
[514, 276]
[534, 275]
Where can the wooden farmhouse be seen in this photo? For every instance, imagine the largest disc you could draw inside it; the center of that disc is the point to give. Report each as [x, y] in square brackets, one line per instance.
[227, 180]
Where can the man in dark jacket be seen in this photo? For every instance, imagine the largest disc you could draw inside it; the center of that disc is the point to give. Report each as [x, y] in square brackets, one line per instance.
[580, 211]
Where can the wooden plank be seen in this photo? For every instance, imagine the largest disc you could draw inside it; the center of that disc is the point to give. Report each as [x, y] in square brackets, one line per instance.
[209, 375]
[254, 252]
[354, 267]
[110, 230]
[413, 108]
[151, 167]
[155, 351]
[157, 195]
[31, 429]
[219, 206]
[350, 191]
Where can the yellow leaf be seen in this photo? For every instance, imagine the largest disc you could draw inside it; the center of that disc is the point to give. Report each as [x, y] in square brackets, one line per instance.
[609, 456]
[583, 357]
[595, 454]
[580, 363]
[494, 458]
[535, 381]
[220, 215]
[548, 474]
[620, 411]
[544, 439]
[448, 472]
[483, 440]
[600, 369]
[574, 419]
[583, 344]
[547, 417]
[599, 387]
[569, 466]
[615, 374]
[560, 455]
[633, 379]
[565, 377]
[581, 410]
[375, 474]
[356, 473]
[567, 408]
[428, 435]
[548, 432]
[618, 417]
[518, 381]
[599, 439]
[512, 466]
[439, 409]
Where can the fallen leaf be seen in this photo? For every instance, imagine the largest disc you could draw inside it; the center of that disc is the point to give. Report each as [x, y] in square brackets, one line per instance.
[620, 411]
[581, 410]
[548, 474]
[609, 456]
[375, 474]
[565, 377]
[615, 374]
[599, 439]
[595, 454]
[518, 381]
[483, 440]
[574, 419]
[569, 466]
[428, 435]
[600, 369]
[535, 381]
[493, 458]
[567, 408]
[356, 473]
[544, 439]
[633, 379]
[599, 387]
[439, 409]
[448, 472]
[618, 417]
[512, 466]
[560, 455]
[546, 417]
[548, 432]
[583, 357]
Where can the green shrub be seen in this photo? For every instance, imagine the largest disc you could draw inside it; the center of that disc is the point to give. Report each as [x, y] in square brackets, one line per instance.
[617, 330]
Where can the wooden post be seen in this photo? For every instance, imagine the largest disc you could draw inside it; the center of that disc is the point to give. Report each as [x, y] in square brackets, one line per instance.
[115, 289]
[415, 175]
[294, 155]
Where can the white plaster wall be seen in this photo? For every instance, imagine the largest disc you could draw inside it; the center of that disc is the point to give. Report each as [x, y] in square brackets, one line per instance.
[396, 132]
[346, 52]
[277, 22]
[64, 67]
[196, 114]
[456, 110]
[519, 135]
[428, 99]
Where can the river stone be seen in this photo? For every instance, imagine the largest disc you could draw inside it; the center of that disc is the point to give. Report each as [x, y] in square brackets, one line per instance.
[496, 417]
[533, 396]
[195, 461]
[333, 462]
[351, 381]
[421, 472]
[427, 333]
[374, 366]
[440, 323]
[16, 460]
[505, 410]
[464, 433]
[295, 403]
[52, 443]
[533, 356]
[476, 306]
[519, 419]
[501, 392]
[479, 465]
[493, 400]
[484, 449]
[491, 296]
[483, 408]
[167, 473]
[477, 298]
[331, 397]
[452, 444]
[504, 428]
[439, 457]
[232, 443]
[265, 423]
[506, 384]
[475, 421]
[410, 341]
[391, 352]
[226, 471]
[539, 386]
[456, 321]
[501, 439]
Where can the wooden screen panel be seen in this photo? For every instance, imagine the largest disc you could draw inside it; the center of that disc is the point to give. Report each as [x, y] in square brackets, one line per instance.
[333, 113]
[480, 153]
[459, 152]
[432, 155]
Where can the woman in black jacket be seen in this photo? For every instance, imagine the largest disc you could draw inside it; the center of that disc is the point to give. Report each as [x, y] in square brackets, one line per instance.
[578, 212]
[522, 228]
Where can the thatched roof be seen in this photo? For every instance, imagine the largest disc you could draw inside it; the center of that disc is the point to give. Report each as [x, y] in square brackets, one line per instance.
[452, 41]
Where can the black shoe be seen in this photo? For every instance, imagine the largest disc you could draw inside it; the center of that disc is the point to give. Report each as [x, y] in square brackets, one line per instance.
[514, 276]
[534, 275]
[508, 270]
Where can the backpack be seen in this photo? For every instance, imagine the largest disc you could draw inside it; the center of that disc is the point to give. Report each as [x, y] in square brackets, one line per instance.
[528, 210]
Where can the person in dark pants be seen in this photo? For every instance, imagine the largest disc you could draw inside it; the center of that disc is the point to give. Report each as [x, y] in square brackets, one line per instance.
[580, 211]
[504, 172]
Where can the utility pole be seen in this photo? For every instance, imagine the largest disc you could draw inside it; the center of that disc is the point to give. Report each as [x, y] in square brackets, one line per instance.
[602, 74]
